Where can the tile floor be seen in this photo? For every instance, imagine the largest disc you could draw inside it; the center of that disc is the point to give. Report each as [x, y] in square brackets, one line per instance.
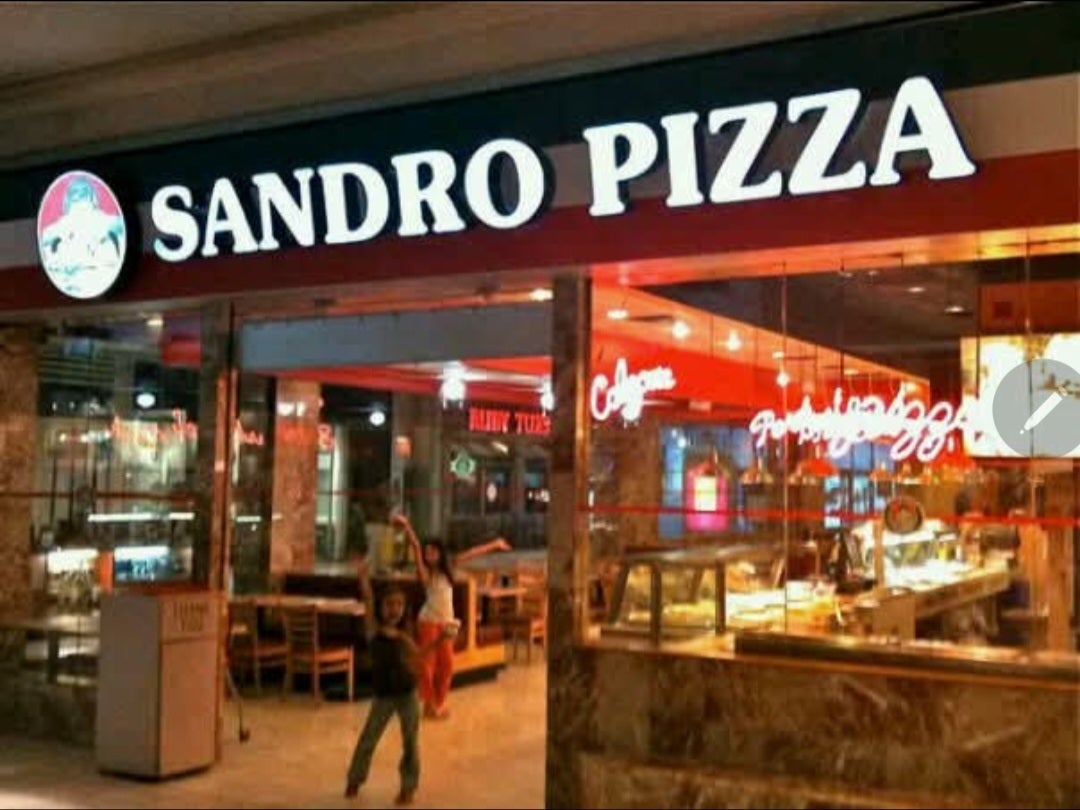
[489, 753]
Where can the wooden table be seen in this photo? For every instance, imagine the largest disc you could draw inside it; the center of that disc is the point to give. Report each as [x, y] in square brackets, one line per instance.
[54, 628]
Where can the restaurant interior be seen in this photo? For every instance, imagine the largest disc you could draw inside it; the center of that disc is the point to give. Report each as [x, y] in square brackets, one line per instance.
[778, 531]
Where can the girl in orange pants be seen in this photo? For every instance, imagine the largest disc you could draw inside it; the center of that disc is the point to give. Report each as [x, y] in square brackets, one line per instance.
[433, 566]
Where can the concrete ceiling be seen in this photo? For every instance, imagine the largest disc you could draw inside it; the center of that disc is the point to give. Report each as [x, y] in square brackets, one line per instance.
[78, 78]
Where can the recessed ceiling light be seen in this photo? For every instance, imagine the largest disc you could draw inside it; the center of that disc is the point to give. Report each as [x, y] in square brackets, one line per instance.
[377, 417]
[734, 343]
[916, 290]
[778, 355]
[681, 330]
[783, 378]
[156, 322]
[618, 314]
[851, 372]
[955, 309]
[541, 294]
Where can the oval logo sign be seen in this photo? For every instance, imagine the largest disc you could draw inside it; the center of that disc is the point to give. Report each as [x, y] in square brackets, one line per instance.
[82, 236]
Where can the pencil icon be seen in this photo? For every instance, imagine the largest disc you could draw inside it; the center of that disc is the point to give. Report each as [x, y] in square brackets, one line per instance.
[1045, 409]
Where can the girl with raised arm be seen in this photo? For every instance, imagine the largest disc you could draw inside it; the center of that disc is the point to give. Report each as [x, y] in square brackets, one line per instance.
[435, 570]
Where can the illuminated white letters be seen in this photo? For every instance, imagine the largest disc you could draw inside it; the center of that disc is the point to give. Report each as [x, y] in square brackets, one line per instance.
[530, 184]
[226, 215]
[413, 195]
[431, 195]
[608, 174]
[936, 135]
[297, 216]
[682, 160]
[376, 202]
[729, 185]
[174, 223]
[838, 111]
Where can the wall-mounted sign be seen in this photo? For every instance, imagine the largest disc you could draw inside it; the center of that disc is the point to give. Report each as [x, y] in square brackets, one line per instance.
[497, 420]
[914, 428]
[462, 465]
[82, 236]
[625, 394]
[433, 192]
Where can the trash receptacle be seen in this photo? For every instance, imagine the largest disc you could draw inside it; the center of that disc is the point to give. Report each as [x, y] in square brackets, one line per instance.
[157, 683]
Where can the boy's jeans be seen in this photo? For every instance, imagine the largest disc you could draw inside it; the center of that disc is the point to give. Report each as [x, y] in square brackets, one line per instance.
[407, 708]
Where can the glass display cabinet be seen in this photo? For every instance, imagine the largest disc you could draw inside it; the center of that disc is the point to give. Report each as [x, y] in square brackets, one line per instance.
[680, 594]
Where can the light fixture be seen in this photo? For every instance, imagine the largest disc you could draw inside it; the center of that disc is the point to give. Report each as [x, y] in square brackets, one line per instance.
[778, 355]
[955, 309]
[680, 330]
[734, 343]
[155, 322]
[916, 290]
[377, 417]
[851, 372]
[783, 378]
[541, 294]
[547, 396]
[618, 314]
[453, 386]
[145, 400]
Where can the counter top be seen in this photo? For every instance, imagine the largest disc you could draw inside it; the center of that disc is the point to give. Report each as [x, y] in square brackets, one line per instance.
[927, 655]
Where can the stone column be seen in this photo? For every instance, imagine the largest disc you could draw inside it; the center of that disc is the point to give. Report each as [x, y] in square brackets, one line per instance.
[18, 438]
[296, 445]
[568, 539]
[217, 395]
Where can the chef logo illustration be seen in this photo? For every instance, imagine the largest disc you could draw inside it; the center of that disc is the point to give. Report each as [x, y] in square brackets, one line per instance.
[82, 237]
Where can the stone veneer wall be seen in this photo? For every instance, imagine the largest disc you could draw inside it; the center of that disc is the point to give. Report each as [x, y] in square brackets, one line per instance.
[676, 731]
[18, 439]
[296, 443]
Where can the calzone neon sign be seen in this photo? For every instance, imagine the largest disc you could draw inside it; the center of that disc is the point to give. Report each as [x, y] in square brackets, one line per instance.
[625, 394]
[433, 192]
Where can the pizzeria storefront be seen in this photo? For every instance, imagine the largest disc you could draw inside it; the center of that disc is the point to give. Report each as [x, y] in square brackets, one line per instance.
[771, 358]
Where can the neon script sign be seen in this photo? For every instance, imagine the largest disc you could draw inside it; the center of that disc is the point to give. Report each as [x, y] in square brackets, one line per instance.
[625, 394]
[915, 429]
[428, 192]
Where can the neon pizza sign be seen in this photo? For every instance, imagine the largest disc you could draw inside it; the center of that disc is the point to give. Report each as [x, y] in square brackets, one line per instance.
[916, 429]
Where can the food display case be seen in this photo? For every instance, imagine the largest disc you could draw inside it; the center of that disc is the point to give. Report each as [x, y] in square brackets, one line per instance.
[683, 593]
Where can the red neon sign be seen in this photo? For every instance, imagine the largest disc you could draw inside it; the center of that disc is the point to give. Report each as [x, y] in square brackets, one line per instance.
[497, 420]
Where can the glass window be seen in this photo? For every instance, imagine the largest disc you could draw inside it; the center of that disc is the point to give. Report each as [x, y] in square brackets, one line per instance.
[836, 445]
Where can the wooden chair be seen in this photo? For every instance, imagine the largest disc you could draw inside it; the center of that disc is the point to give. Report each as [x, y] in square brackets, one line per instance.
[248, 652]
[305, 655]
[529, 622]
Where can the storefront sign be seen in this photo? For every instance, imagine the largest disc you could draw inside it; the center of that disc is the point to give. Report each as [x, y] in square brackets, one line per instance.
[626, 393]
[495, 420]
[429, 193]
[915, 429]
[82, 236]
